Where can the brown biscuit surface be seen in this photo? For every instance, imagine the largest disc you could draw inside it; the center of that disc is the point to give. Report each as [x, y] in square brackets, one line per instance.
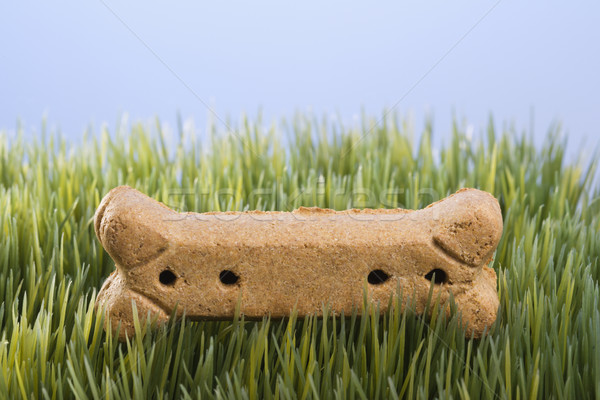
[273, 262]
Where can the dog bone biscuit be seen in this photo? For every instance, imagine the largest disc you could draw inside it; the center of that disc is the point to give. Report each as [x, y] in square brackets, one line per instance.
[272, 262]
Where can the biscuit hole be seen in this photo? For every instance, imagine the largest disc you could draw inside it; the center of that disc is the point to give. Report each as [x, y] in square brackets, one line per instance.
[438, 276]
[228, 277]
[167, 278]
[377, 277]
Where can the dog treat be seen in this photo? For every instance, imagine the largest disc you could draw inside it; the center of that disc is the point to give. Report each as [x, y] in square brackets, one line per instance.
[272, 262]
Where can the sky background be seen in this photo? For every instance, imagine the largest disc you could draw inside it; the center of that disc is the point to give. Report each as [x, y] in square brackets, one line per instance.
[80, 64]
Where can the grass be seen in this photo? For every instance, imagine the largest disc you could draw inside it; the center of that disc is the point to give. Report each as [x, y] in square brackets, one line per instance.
[545, 343]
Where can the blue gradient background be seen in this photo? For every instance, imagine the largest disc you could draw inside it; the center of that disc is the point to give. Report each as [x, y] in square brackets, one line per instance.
[80, 64]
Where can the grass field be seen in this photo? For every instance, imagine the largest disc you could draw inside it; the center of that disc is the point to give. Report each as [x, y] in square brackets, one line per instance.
[545, 343]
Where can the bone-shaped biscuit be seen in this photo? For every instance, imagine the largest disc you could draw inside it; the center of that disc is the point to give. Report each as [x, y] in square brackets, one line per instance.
[273, 262]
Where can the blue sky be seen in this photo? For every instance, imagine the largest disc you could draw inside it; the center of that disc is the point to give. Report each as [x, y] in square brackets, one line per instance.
[85, 63]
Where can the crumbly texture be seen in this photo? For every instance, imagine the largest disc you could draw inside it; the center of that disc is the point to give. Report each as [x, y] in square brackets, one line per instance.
[270, 263]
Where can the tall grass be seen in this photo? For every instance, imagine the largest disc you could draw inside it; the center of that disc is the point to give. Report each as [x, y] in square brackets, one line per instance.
[545, 343]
